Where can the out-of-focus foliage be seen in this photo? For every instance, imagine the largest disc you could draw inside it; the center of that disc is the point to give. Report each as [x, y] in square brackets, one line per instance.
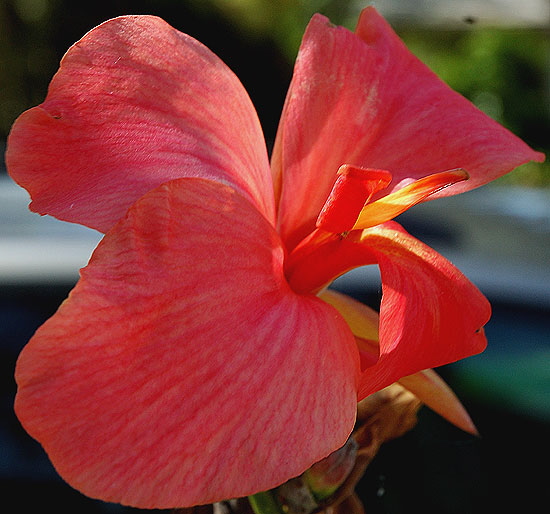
[505, 72]
[281, 20]
[26, 56]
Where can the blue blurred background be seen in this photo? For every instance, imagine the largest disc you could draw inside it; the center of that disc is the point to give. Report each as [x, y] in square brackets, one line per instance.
[495, 52]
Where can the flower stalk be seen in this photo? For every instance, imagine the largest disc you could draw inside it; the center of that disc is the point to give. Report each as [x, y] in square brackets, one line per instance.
[265, 503]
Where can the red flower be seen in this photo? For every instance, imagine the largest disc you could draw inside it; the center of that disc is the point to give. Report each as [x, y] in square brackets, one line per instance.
[193, 361]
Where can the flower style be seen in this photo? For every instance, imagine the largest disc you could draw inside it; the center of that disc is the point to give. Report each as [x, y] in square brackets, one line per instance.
[200, 356]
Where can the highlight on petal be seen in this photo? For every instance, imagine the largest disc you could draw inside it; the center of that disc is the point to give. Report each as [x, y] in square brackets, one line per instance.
[432, 390]
[182, 363]
[430, 313]
[362, 320]
[134, 104]
[365, 100]
[390, 206]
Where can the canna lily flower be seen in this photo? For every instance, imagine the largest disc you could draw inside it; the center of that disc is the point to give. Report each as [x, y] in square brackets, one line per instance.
[201, 357]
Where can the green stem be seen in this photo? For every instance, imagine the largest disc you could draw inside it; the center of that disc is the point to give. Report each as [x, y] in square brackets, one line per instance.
[265, 503]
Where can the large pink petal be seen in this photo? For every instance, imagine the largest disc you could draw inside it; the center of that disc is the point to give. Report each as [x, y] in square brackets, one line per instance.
[430, 313]
[135, 104]
[182, 369]
[363, 99]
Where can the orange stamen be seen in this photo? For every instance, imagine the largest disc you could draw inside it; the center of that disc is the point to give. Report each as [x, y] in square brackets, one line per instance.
[390, 206]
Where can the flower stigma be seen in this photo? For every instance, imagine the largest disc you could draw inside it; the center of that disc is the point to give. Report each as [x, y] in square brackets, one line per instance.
[331, 249]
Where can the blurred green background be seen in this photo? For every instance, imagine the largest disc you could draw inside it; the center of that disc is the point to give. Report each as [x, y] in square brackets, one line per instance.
[501, 64]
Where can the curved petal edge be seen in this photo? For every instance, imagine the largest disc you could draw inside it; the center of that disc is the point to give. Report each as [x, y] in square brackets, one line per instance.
[136, 103]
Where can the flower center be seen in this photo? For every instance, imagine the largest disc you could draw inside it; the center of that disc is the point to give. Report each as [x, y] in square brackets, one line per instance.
[334, 247]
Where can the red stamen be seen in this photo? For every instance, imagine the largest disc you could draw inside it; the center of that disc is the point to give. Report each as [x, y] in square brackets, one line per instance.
[353, 188]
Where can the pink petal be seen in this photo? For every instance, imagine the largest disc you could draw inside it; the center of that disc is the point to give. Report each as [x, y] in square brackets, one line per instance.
[182, 369]
[365, 100]
[427, 385]
[430, 313]
[135, 104]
